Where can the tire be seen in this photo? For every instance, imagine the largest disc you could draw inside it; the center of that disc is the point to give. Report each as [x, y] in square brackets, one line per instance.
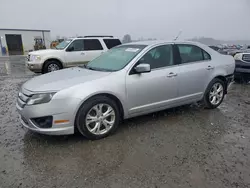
[208, 94]
[245, 79]
[238, 80]
[51, 65]
[90, 108]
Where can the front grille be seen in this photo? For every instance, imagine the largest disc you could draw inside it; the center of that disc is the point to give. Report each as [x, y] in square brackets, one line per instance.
[246, 57]
[22, 99]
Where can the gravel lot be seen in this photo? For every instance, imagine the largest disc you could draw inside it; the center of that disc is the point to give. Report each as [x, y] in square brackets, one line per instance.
[182, 147]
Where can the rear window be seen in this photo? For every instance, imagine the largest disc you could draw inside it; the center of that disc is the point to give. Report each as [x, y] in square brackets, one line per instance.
[191, 53]
[110, 43]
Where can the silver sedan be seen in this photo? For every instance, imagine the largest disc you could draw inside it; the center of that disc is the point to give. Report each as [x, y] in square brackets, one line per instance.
[127, 81]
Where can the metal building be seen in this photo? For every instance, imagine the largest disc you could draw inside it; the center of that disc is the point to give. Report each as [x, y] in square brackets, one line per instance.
[22, 41]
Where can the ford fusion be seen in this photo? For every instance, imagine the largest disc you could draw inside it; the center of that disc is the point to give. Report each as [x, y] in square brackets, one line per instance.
[126, 81]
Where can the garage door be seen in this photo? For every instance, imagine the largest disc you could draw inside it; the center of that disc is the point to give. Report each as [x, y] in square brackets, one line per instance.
[15, 44]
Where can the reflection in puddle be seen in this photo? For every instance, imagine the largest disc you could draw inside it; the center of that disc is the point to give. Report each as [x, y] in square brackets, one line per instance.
[14, 68]
[7, 67]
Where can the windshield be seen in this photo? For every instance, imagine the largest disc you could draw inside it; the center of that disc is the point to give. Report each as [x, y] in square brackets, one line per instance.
[63, 44]
[116, 58]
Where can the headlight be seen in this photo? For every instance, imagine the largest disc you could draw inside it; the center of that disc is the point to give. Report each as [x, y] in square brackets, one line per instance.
[40, 98]
[237, 57]
[35, 57]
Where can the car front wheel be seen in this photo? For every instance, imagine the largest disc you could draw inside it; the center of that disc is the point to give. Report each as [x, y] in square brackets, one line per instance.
[214, 94]
[98, 117]
[51, 66]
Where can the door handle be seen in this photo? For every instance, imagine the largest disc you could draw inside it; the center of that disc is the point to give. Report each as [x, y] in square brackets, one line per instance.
[82, 53]
[210, 68]
[171, 74]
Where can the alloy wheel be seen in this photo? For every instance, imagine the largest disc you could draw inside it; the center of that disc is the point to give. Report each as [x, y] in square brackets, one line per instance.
[53, 67]
[100, 119]
[216, 93]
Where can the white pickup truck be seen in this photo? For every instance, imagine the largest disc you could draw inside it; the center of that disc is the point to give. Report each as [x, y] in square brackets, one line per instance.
[69, 53]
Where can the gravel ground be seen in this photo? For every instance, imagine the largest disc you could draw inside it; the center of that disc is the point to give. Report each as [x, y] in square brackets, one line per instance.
[182, 147]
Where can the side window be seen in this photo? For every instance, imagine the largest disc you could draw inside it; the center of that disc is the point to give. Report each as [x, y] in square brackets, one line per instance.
[92, 44]
[110, 43]
[190, 53]
[76, 45]
[158, 57]
[206, 55]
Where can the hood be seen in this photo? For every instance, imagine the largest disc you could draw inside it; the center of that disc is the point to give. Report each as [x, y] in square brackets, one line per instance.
[42, 52]
[62, 79]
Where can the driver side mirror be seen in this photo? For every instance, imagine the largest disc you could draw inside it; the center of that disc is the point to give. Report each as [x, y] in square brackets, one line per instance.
[142, 68]
[70, 49]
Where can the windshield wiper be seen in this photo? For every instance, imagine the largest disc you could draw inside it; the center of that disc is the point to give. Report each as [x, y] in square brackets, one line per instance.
[97, 69]
[91, 68]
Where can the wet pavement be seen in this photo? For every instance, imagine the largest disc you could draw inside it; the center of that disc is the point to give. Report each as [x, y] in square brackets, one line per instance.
[14, 66]
[182, 147]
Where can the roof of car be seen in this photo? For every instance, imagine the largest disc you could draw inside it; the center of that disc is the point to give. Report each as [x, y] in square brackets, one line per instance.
[94, 37]
[159, 42]
[155, 42]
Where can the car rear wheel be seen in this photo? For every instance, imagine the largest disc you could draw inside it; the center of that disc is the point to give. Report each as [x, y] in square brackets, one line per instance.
[98, 117]
[51, 66]
[214, 94]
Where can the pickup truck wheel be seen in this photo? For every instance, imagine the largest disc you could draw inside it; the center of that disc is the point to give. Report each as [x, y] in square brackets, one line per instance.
[245, 79]
[214, 94]
[238, 80]
[51, 66]
[98, 117]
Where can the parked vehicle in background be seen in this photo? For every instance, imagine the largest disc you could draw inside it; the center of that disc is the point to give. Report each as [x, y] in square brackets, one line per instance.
[242, 69]
[39, 43]
[127, 81]
[216, 48]
[234, 52]
[222, 51]
[70, 52]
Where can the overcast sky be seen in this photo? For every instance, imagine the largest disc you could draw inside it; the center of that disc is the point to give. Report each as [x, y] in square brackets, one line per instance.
[162, 19]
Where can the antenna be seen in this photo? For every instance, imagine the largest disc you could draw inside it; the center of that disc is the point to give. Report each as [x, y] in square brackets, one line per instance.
[179, 34]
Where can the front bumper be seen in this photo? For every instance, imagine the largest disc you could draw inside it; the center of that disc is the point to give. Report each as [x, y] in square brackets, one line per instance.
[242, 69]
[34, 66]
[59, 109]
[51, 131]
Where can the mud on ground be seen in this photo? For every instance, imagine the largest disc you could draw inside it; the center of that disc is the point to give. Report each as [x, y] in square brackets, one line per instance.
[181, 147]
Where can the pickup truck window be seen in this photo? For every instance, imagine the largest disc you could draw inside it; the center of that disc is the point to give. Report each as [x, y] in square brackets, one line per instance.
[76, 45]
[92, 44]
[110, 43]
[63, 44]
